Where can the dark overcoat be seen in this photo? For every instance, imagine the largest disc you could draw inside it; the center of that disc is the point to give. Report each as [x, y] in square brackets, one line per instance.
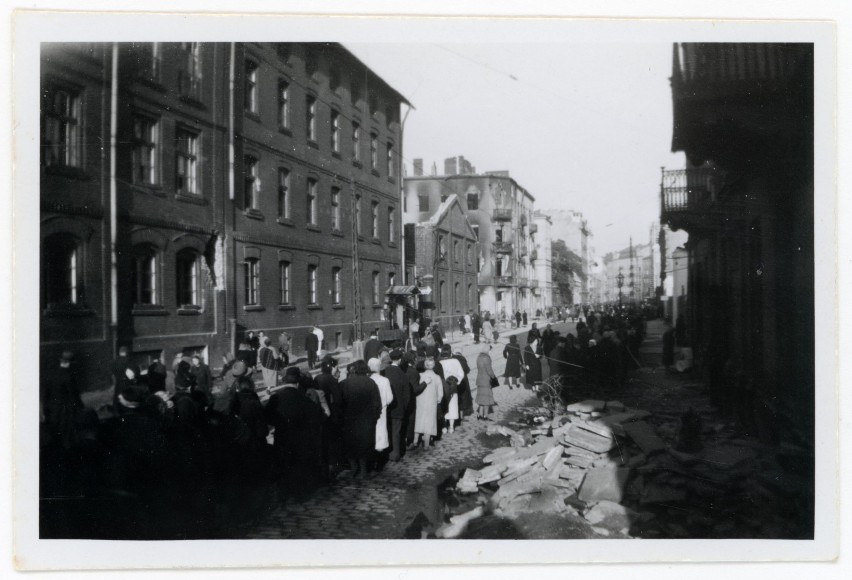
[362, 407]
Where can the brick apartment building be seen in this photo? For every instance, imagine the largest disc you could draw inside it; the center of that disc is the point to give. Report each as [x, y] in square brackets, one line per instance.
[247, 178]
[501, 214]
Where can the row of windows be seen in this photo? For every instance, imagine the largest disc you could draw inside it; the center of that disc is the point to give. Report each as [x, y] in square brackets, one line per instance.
[251, 283]
[63, 280]
[457, 303]
[457, 250]
[313, 201]
[311, 111]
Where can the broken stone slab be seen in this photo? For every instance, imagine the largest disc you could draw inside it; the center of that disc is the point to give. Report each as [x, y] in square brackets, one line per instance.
[607, 483]
[538, 448]
[467, 486]
[610, 514]
[500, 454]
[579, 451]
[516, 488]
[500, 430]
[587, 440]
[553, 457]
[587, 406]
[471, 474]
[466, 517]
[617, 421]
[644, 436]
[577, 461]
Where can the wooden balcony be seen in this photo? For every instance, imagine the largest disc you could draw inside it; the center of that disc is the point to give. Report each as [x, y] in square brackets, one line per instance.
[504, 280]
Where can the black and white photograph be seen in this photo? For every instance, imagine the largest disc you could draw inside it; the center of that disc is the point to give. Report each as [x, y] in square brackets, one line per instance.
[471, 281]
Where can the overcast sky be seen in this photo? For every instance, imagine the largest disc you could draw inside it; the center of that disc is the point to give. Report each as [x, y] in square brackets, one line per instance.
[580, 126]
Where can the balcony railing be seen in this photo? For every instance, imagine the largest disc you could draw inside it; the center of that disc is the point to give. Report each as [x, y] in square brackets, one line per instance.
[503, 247]
[523, 219]
[523, 251]
[523, 283]
[533, 228]
[534, 255]
[533, 284]
[502, 214]
[504, 280]
[689, 189]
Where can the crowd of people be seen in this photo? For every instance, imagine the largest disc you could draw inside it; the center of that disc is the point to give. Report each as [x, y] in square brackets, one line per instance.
[175, 445]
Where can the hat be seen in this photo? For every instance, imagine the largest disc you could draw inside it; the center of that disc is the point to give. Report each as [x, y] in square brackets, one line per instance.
[292, 375]
[396, 354]
[328, 359]
[410, 357]
[239, 369]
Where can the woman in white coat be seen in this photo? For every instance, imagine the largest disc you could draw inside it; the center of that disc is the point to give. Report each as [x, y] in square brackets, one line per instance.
[386, 395]
[426, 417]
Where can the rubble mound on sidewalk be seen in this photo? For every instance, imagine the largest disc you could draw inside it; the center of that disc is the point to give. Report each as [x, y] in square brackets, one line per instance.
[602, 465]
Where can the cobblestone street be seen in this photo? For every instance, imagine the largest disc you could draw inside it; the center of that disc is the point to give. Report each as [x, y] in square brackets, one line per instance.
[382, 507]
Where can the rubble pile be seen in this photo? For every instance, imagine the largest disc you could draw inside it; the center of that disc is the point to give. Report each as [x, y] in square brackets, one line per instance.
[611, 467]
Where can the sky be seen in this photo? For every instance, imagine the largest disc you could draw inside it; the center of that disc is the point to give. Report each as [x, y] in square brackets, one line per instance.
[580, 126]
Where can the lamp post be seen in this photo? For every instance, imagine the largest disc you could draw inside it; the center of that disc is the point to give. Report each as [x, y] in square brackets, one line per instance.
[619, 281]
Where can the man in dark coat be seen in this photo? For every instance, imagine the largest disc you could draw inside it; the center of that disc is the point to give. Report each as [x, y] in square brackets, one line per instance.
[254, 345]
[465, 398]
[548, 340]
[397, 410]
[156, 377]
[476, 326]
[61, 403]
[327, 382]
[312, 346]
[203, 377]
[372, 348]
[362, 407]
[121, 364]
[518, 318]
[526, 319]
[408, 364]
[297, 422]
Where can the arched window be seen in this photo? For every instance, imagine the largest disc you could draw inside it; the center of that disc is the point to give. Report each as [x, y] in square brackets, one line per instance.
[376, 290]
[456, 297]
[443, 294]
[61, 270]
[145, 275]
[252, 281]
[188, 278]
[312, 284]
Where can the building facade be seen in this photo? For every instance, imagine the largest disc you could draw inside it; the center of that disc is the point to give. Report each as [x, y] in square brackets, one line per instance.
[250, 180]
[573, 228]
[501, 214]
[542, 282]
[743, 114]
[445, 252]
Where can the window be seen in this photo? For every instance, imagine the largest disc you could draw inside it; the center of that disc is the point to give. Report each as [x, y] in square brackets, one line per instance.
[469, 255]
[443, 296]
[391, 224]
[144, 275]
[356, 92]
[311, 117]
[284, 283]
[442, 247]
[283, 104]
[390, 160]
[376, 291]
[472, 200]
[283, 194]
[356, 141]
[374, 151]
[251, 183]
[358, 214]
[61, 270]
[335, 209]
[252, 281]
[146, 139]
[498, 235]
[456, 296]
[189, 75]
[186, 169]
[391, 279]
[374, 219]
[62, 145]
[335, 285]
[312, 201]
[456, 251]
[423, 202]
[499, 267]
[251, 87]
[312, 284]
[475, 230]
[471, 302]
[187, 277]
[335, 131]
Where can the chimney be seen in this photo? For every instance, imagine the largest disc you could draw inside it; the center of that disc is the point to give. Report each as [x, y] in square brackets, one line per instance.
[451, 166]
[418, 167]
[434, 169]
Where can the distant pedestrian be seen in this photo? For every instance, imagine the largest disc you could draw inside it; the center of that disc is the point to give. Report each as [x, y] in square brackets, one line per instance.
[271, 364]
[465, 400]
[398, 408]
[487, 331]
[254, 345]
[372, 347]
[476, 327]
[524, 316]
[203, 377]
[284, 347]
[512, 354]
[452, 369]
[518, 318]
[485, 381]
[532, 365]
[548, 340]
[386, 396]
[61, 403]
[426, 420]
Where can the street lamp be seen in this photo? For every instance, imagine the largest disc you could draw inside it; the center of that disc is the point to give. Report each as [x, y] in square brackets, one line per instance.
[619, 281]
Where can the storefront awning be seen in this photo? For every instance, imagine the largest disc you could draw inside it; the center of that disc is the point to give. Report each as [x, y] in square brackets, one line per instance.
[403, 291]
